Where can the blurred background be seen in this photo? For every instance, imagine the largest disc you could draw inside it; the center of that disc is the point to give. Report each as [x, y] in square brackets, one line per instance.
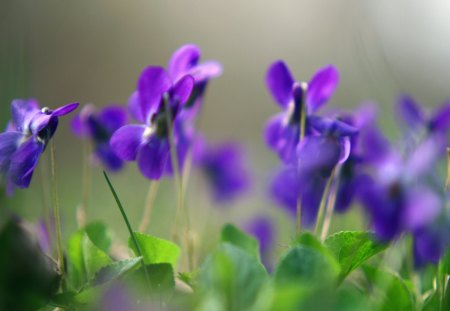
[93, 51]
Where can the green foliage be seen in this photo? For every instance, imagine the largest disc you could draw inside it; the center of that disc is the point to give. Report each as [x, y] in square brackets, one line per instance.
[230, 278]
[155, 250]
[238, 238]
[115, 270]
[352, 249]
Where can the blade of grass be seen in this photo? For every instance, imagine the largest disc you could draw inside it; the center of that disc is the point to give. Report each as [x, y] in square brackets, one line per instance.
[130, 230]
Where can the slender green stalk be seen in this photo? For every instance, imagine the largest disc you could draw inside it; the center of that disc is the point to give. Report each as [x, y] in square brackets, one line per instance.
[151, 196]
[130, 230]
[86, 180]
[56, 215]
[330, 209]
[304, 87]
[323, 201]
[179, 183]
[45, 209]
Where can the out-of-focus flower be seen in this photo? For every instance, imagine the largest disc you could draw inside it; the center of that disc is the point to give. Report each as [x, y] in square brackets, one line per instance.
[262, 229]
[396, 197]
[25, 138]
[282, 132]
[148, 143]
[99, 127]
[225, 169]
[415, 117]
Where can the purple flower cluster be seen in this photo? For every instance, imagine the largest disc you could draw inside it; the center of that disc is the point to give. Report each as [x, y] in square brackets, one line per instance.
[25, 138]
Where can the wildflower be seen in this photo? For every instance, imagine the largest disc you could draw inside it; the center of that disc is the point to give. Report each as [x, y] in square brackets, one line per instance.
[224, 168]
[261, 227]
[99, 127]
[148, 143]
[26, 137]
[282, 132]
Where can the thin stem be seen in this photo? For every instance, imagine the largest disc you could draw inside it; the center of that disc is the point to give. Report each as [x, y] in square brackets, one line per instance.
[130, 230]
[178, 181]
[86, 178]
[323, 201]
[56, 215]
[45, 209]
[151, 196]
[330, 209]
[304, 87]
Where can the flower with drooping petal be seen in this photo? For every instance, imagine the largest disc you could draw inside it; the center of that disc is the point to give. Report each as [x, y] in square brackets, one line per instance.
[282, 132]
[26, 137]
[262, 228]
[225, 169]
[98, 127]
[148, 143]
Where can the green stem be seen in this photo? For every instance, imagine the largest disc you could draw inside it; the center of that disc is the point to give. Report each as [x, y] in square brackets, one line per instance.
[86, 178]
[178, 182]
[323, 201]
[151, 196]
[302, 125]
[45, 209]
[329, 209]
[56, 215]
[130, 230]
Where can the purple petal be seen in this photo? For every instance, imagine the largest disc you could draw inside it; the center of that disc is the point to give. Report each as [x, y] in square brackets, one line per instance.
[78, 125]
[285, 189]
[206, 71]
[373, 145]
[423, 206]
[440, 120]
[152, 84]
[332, 127]
[152, 158]
[424, 157]
[9, 141]
[40, 121]
[409, 111]
[273, 129]
[262, 229]
[321, 87]
[345, 149]
[66, 109]
[182, 60]
[282, 138]
[23, 111]
[108, 158]
[135, 107]
[125, 141]
[112, 117]
[182, 90]
[318, 155]
[280, 81]
[23, 162]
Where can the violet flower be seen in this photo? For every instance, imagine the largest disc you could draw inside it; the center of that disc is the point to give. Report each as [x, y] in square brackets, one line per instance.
[413, 115]
[148, 143]
[225, 169]
[26, 137]
[99, 127]
[396, 197]
[282, 131]
[262, 229]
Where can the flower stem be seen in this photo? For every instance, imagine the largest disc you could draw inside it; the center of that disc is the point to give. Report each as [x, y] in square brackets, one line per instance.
[179, 183]
[301, 136]
[330, 209]
[45, 210]
[56, 215]
[151, 195]
[82, 209]
[323, 201]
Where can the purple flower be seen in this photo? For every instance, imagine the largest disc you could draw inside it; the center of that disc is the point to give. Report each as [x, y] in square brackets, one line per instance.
[262, 229]
[148, 143]
[26, 137]
[412, 114]
[282, 132]
[396, 197]
[225, 169]
[99, 127]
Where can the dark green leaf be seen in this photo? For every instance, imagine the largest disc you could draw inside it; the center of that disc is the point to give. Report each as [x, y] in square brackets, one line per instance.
[100, 235]
[155, 250]
[115, 270]
[352, 249]
[238, 238]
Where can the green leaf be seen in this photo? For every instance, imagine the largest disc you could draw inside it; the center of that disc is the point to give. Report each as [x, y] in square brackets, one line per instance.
[237, 237]
[155, 250]
[233, 277]
[352, 249]
[94, 258]
[100, 235]
[306, 264]
[115, 270]
[388, 291]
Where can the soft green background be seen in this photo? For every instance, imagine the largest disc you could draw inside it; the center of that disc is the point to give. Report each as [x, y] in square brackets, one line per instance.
[93, 51]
